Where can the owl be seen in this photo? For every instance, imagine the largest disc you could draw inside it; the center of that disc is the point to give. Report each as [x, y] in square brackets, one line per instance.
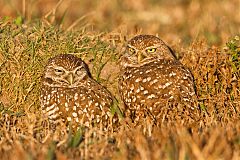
[151, 78]
[70, 94]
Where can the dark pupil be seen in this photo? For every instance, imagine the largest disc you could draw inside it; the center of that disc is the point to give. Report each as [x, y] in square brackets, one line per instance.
[151, 50]
[131, 50]
[58, 70]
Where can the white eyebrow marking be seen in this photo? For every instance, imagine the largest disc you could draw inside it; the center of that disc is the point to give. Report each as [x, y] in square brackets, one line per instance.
[151, 47]
[130, 46]
[57, 67]
[79, 67]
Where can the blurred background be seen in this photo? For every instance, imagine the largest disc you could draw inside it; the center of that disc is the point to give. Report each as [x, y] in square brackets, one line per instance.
[175, 21]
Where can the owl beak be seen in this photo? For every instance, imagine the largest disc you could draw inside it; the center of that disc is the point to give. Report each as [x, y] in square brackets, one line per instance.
[70, 79]
[140, 57]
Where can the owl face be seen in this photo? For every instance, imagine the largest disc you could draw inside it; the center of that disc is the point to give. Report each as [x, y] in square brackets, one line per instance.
[65, 70]
[143, 49]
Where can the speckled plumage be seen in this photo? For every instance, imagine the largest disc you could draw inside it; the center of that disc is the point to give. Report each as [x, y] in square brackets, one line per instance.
[151, 77]
[70, 94]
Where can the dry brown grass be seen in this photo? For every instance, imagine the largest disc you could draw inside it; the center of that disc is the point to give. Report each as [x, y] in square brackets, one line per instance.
[25, 49]
[175, 21]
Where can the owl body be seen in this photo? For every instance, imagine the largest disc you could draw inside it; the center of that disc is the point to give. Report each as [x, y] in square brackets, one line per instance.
[152, 77]
[70, 94]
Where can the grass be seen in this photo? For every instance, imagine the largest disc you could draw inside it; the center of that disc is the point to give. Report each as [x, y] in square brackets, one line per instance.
[24, 134]
[179, 21]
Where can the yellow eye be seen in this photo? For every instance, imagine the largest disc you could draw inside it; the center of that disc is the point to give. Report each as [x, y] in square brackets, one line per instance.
[151, 50]
[132, 50]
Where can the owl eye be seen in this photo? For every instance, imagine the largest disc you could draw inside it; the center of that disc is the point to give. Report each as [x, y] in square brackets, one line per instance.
[132, 50]
[79, 71]
[151, 50]
[58, 71]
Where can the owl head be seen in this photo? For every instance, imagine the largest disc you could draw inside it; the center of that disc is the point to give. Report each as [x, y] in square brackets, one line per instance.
[65, 70]
[143, 49]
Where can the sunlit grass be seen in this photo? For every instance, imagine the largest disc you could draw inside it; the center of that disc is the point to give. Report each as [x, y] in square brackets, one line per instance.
[25, 134]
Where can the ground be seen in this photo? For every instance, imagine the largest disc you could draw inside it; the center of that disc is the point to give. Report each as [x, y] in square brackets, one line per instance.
[204, 35]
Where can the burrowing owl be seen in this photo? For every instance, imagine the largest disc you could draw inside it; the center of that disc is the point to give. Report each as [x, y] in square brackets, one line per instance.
[70, 93]
[151, 77]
